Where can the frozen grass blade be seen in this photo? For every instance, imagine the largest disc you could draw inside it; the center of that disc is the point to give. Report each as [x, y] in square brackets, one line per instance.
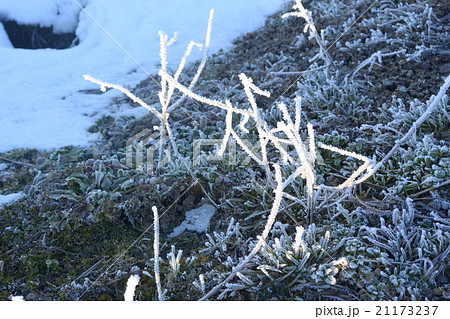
[156, 253]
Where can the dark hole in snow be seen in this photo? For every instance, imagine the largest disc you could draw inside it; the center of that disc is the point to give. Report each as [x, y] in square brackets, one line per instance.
[28, 36]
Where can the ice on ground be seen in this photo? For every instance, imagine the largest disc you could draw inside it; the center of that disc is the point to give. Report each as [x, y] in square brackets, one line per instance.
[196, 220]
[9, 199]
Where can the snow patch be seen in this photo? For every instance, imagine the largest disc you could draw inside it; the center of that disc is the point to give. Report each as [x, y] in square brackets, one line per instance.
[4, 39]
[196, 220]
[3, 166]
[11, 198]
[62, 15]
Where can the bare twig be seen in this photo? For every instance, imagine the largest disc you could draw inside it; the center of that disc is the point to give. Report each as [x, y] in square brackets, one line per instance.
[306, 14]
[16, 162]
[430, 189]
[156, 253]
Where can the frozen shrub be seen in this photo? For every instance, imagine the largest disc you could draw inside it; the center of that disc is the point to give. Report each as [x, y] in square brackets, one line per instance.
[167, 92]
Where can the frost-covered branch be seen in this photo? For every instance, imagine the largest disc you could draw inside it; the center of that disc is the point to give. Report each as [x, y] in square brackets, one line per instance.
[167, 89]
[202, 64]
[104, 85]
[306, 14]
[156, 253]
[375, 59]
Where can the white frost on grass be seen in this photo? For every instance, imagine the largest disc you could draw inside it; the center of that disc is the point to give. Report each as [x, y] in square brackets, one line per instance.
[196, 220]
[9, 199]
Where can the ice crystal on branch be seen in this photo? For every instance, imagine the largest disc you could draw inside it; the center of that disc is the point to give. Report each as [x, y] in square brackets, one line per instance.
[307, 15]
[166, 93]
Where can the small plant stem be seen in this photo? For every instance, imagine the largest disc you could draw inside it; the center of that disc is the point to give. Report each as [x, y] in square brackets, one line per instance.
[16, 162]
[156, 253]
